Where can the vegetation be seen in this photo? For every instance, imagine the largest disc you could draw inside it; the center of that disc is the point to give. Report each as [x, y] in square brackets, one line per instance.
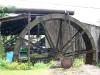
[37, 69]
[5, 65]
[39, 65]
[5, 10]
[78, 62]
[2, 53]
[28, 72]
[98, 64]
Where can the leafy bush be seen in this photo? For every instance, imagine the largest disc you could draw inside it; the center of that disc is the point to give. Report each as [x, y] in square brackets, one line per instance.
[13, 66]
[17, 66]
[39, 65]
[23, 66]
[98, 64]
[4, 64]
[20, 66]
[78, 62]
[51, 63]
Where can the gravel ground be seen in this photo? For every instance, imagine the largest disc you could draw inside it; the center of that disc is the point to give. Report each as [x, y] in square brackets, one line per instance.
[83, 70]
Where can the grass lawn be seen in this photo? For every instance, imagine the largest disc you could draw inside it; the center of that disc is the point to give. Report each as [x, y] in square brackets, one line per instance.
[27, 72]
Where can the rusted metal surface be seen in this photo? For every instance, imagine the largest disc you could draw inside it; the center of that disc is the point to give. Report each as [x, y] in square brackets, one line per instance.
[66, 63]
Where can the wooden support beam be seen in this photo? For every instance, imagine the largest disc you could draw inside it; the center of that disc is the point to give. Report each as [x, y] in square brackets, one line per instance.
[29, 40]
[47, 34]
[71, 43]
[0, 33]
[70, 40]
[34, 44]
[79, 53]
[70, 33]
[59, 35]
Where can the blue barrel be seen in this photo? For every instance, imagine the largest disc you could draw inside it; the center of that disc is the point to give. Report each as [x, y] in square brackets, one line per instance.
[9, 56]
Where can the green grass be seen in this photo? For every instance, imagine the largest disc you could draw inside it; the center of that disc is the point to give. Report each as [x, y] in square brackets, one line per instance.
[28, 72]
[2, 54]
[39, 68]
[98, 64]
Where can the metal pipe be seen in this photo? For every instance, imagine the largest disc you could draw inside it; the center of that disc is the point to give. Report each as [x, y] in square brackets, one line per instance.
[39, 11]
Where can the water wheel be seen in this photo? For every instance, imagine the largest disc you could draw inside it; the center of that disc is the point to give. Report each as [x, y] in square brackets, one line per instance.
[63, 34]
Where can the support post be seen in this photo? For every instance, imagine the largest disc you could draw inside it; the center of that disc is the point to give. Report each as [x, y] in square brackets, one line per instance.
[0, 32]
[29, 19]
[70, 32]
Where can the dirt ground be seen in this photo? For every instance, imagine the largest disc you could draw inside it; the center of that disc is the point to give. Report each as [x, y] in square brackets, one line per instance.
[83, 70]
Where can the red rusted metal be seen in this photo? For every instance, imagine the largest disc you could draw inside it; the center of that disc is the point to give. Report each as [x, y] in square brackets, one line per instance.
[66, 63]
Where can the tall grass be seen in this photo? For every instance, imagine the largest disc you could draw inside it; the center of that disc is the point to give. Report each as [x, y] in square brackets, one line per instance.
[78, 62]
[5, 65]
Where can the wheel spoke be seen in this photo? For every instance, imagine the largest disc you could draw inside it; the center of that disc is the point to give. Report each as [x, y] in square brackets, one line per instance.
[70, 36]
[72, 42]
[47, 34]
[34, 44]
[59, 35]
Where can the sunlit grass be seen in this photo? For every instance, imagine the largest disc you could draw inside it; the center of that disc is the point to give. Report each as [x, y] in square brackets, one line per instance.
[27, 72]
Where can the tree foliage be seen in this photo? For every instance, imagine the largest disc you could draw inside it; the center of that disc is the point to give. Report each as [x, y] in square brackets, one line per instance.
[5, 10]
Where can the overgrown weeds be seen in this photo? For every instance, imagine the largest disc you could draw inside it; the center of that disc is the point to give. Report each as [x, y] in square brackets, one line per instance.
[98, 64]
[5, 65]
[78, 62]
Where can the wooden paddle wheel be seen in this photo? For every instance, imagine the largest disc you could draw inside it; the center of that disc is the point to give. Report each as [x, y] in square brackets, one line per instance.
[63, 35]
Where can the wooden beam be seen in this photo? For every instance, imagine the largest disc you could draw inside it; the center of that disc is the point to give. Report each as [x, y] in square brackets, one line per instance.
[73, 41]
[34, 44]
[14, 18]
[70, 40]
[79, 53]
[59, 34]
[47, 34]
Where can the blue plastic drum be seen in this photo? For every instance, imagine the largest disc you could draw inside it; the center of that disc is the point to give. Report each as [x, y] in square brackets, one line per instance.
[9, 56]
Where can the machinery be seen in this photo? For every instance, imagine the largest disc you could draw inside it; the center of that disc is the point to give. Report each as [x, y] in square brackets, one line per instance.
[56, 33]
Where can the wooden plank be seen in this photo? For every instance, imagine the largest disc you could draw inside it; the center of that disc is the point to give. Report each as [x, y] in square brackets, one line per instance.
[70, 40]
[47, 34]
[74, 41]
